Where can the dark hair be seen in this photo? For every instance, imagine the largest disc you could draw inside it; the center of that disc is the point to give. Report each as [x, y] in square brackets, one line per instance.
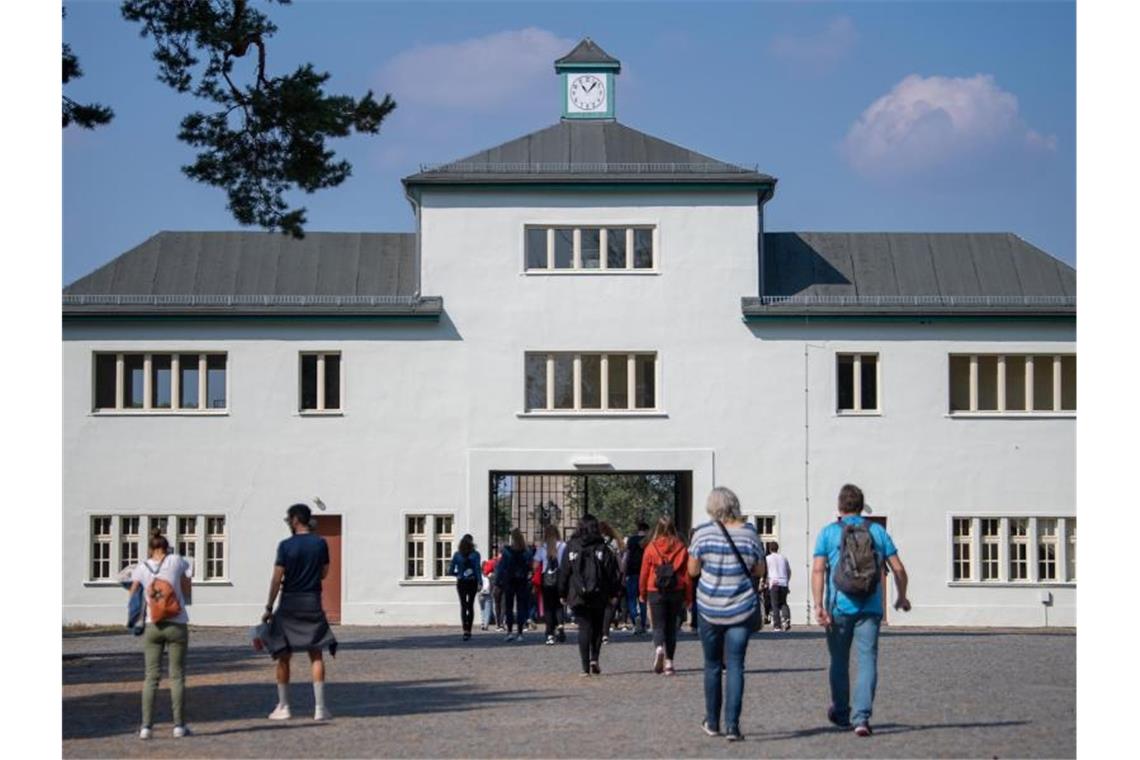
[773, 547]
[664, 528]
[642, 525]
[588, 528]
[466, 544]
[158, 541]
[301, 513]
[850, 500]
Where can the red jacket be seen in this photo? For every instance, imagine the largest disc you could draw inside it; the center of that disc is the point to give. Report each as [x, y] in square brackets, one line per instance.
[665, 548]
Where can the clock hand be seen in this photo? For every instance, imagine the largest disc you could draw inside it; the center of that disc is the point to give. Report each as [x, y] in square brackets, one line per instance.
[591, 87]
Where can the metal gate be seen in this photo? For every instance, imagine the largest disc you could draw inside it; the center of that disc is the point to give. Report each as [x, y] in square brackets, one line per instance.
[530, 501]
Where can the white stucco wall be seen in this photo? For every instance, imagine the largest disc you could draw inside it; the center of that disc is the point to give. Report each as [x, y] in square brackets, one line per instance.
[431, 408]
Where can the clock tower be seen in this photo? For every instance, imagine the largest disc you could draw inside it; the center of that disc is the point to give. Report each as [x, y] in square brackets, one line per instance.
[587, 74]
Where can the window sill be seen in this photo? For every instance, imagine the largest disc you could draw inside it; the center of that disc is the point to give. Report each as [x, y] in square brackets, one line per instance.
[427, 582]
[596, 414]
[160, 413]
[194, 583]
[1012, 415]
[1011, 583]
[587, 272]
[860, 413]
[321, 413]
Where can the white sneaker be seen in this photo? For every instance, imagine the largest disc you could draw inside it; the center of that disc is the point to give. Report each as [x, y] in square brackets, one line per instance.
[181, 731]
[281, 712]
[659, 660]
[144, 732]
[321, 713]
[549, 641]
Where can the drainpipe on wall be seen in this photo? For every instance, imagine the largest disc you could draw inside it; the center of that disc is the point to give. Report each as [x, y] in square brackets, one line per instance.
[418, 264]
[807, 484]
[760, 246]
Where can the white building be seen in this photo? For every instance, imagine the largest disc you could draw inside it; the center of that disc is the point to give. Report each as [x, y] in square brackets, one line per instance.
[584, 299]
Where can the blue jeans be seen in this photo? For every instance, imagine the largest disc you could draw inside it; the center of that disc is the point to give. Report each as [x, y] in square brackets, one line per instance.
[863, 632]
[636, 607]
[488, 609]
[724, 644]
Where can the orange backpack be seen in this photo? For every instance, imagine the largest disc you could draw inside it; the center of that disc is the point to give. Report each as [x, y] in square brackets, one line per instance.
[161, 598]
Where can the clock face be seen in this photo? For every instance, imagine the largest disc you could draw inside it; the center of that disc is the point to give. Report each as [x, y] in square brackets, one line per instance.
[587, 93]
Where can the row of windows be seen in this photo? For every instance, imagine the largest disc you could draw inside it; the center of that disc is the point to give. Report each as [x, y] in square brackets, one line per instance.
[119, 541]
[588, 382]
[589, 248]
[1014, 549]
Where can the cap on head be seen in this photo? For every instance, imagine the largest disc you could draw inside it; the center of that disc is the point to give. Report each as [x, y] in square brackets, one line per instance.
[300, 512]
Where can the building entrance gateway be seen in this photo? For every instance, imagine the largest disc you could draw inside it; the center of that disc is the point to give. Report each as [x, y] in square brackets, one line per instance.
[530, 501]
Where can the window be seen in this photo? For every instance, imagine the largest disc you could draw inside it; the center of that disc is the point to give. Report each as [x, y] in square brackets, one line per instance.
[100, 548]
[128, 541]
[129, 546]
[417, 541]
[444, 541]
[596, 249]
[1047, 549]
[590, 382]
[215, 548]
[320, 382]
[429, 542]
[154, 382]
[1019, 549]
[1071, 559]
[766, 528]
[857, 382]
[186, 543]
[991, 549]
[1013, 384]
[963, 536]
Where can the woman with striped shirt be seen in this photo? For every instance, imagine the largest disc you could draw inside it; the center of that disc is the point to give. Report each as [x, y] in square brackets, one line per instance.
[725, 555]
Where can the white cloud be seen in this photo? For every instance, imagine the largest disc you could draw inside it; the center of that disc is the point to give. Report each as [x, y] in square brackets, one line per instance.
[926, 122]
[476, 74]
[816, 52]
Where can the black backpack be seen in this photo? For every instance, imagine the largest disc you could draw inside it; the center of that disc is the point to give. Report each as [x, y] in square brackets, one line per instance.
[860, 567]
[591, 572]
[666, 575]
[550, 574]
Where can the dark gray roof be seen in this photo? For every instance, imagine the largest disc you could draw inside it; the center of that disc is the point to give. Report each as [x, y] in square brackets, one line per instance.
[257, 273]
[588, 51]
[845, 273]
[588, 151]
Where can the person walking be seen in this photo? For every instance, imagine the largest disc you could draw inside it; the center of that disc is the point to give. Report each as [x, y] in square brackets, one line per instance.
[164, 578]
[467, 568]
[726, 556]
[486, 602]
[779, 574]
[513, 575]
[848, 560]
[588, 583]
[299, 621]
[664, 582]
[547, 561]
[489, 568]
[634, 553]
[616, 545]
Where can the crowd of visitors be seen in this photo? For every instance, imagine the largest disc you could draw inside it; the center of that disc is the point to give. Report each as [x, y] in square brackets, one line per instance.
[723, 580]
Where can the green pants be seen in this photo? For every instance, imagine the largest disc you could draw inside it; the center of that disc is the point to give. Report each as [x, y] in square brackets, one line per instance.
[157, 637]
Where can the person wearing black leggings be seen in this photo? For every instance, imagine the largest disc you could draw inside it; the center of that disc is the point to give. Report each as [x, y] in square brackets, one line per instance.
[664, 582]
[588, 582]
[467, 568]
[513, 574]
[547, 560]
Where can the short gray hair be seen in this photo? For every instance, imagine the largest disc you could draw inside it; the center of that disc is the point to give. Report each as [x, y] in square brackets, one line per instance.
[722, 504]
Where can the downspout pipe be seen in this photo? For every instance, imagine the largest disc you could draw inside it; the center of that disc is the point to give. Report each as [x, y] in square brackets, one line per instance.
[414, 200]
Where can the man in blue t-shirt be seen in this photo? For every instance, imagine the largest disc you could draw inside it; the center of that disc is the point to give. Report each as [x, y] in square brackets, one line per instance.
[853, 619]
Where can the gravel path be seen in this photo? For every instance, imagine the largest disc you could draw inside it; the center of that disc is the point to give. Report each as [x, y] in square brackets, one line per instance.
[421, 692]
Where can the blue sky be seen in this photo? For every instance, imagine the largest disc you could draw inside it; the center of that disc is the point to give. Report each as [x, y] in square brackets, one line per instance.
[874, 116]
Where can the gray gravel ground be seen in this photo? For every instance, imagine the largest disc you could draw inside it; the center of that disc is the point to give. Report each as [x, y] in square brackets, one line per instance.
[421, 692]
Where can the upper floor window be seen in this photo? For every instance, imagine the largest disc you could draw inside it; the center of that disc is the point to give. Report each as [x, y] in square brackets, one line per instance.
[153, 382]
[857, 382]
[1013, 383]
[320, 382]
[590, 248]
[570, 382]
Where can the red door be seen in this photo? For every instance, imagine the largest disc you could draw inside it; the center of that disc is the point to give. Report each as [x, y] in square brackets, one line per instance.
[886, 576]
[329, 527]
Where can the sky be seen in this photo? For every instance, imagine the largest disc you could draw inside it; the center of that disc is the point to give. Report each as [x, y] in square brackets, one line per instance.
[873, 116]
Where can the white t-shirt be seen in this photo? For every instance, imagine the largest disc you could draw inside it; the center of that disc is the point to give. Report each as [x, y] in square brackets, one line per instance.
[778, 570]
[540, 555]
[171, 570]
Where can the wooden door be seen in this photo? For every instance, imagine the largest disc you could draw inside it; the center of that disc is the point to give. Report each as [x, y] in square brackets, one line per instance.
[886, 575]
[329, 528]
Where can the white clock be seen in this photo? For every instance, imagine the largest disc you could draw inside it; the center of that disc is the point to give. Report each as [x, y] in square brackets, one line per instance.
[587, 93]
